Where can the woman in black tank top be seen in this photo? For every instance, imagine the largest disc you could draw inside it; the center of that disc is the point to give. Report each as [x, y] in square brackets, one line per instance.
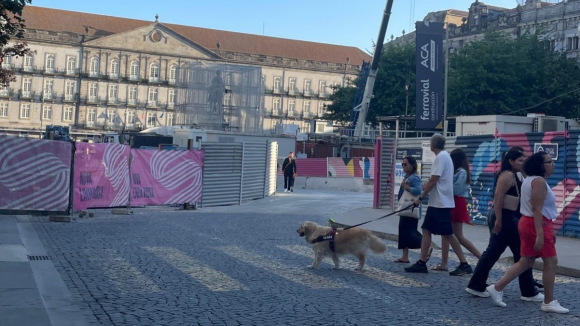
[504, 231]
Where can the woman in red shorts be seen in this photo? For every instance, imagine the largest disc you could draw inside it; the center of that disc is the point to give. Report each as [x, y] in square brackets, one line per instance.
[538, 208]
[459, 215]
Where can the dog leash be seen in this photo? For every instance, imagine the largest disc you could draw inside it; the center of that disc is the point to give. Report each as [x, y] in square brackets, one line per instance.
[412, 206]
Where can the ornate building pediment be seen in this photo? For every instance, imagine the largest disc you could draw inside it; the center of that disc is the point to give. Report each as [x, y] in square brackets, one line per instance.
[154, 38]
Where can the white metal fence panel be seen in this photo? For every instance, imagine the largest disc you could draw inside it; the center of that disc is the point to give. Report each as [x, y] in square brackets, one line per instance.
[272, 169]
[387, 177]
[254, 170]
[222, 174]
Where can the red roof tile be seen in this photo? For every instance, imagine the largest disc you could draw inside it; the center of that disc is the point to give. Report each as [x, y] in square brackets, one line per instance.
[100, 25]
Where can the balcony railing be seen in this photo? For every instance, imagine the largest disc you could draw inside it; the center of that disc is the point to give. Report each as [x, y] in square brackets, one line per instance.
[277, 90]
[94, 74]
[307, 115]
[308, 92]
[113, 101]
[94, 100]
[170, 105]
[152, 104]
[49, 70]
[48, 96]
[72, 72]
[27, 95]
[172, 81]
[134, 78]
[292, 114]
[153, 79]
[294, 92]
[322, 95]
[70, 97]
[6, 65]
[277, 113]
[132, 102]
[5, 92]
[28, 68]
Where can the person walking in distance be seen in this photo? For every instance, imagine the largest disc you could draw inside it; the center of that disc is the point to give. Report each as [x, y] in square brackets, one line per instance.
[538, 208]
[459, 214]
[438, 216]
[289, 169]
[503, 227]
[409, 237]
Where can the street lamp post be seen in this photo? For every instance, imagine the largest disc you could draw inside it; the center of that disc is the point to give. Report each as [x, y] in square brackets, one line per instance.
[344, 74]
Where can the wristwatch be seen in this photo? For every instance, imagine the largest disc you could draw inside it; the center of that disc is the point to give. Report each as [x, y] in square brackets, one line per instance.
[420, 198]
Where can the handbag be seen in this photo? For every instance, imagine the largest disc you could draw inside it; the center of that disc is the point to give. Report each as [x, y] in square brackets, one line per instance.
[407, 199]
[510, 202]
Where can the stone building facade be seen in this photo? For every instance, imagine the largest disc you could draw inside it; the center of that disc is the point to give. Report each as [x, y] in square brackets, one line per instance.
[97, 73]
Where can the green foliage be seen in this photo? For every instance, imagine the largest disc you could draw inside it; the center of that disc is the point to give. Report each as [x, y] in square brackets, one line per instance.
[11, 27]
[501, 75]
[341, 107]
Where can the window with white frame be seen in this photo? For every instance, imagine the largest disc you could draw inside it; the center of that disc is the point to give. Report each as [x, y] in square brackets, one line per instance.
[277, 83]
[173, 74]
[153, 92]
[7, 62]
[67, 113]
[307, 86]
[48, 87]
[292, 85]
[322, 88]
[228, 79]
[25, 111]
[91, 117]
[71, 65]
[321, 109]
[3, 110]
[26, 87]
[171, 98]
[4, 90]
[69, 91]
[28, 62]
[306, 128]
[49, 65]
[306, 108]
[134, 71]
[170, 119]
[94, 67]
[46, 112]
[113, 93]
[277, 104]
[291, 105]
[190, 76]
[151, 119]
[154, 72]
[114, 71]
[111, 115]
[227, 99]
[132, 95]
[93, 92]
[273, 126]
[129, 118]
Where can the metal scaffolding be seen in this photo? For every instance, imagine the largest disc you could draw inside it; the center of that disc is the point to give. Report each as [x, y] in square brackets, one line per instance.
[221, 96]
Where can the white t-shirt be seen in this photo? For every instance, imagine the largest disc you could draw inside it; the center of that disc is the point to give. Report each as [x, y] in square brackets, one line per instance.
[442, 195]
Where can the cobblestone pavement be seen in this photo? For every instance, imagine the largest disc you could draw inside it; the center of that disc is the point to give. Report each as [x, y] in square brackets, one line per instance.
[222, 267]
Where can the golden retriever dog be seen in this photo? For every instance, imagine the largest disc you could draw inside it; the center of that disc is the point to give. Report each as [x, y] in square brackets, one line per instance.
[355, 241]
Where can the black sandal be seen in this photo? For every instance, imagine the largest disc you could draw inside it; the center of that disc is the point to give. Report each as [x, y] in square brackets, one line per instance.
[402, 261]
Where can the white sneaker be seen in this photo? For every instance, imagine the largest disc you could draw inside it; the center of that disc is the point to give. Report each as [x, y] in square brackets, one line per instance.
[496, 296]
[536, 298]
[483, 294]
[554, 306]
[285, 190]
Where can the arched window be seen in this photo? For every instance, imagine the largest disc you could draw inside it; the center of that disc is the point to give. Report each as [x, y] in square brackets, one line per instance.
[50, 63]
[173, 74]
[94, 67]
[154, 72]
[114, 71]
[71, 65]
[134, 72]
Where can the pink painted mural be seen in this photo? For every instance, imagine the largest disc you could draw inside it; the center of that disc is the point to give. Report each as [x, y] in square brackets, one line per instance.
[166, 177]
[357, 167]
[101, 175]
[34, 174]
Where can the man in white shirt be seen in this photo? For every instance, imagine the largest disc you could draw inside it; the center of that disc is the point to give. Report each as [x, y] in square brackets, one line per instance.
[438, 218]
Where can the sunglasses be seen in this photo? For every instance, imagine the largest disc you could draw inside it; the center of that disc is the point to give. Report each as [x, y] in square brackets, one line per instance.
[405, 164]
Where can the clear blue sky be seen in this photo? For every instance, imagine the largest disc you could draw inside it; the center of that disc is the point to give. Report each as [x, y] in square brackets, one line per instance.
[337, 22]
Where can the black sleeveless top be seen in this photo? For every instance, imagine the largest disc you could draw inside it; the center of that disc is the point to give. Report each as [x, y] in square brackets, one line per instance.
[513, 192]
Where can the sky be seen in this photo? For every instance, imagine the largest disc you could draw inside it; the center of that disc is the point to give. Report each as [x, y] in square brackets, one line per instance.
[343, 22]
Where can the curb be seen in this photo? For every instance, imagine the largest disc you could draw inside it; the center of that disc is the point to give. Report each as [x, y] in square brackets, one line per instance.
[538, 265]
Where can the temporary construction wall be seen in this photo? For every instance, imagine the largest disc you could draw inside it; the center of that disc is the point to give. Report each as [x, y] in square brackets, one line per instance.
[484, 154]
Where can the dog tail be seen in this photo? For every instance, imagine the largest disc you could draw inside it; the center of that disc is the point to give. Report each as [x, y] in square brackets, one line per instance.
[376, 245]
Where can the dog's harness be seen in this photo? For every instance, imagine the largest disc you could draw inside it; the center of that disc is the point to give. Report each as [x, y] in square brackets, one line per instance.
[331, 235]
[328, 237]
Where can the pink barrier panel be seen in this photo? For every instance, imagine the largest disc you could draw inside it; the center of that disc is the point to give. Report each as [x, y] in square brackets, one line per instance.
[166, 177]
[358, 167]
[34, 174]
[101, 175]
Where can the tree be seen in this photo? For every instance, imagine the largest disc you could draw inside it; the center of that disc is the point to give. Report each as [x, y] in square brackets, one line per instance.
[396, 72]
[11, 27]
[505, 75]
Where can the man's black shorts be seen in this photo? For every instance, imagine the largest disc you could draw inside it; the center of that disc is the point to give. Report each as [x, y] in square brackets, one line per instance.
[438, 221]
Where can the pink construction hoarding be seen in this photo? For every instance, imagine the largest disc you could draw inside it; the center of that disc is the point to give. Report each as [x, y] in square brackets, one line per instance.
[101, 175]
[166, 177]
[34, 174]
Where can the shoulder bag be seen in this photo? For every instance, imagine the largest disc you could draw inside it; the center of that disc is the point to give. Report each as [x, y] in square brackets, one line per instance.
[407, 199]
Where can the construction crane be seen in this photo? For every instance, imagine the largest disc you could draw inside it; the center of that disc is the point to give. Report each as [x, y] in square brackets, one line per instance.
[360, 119]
